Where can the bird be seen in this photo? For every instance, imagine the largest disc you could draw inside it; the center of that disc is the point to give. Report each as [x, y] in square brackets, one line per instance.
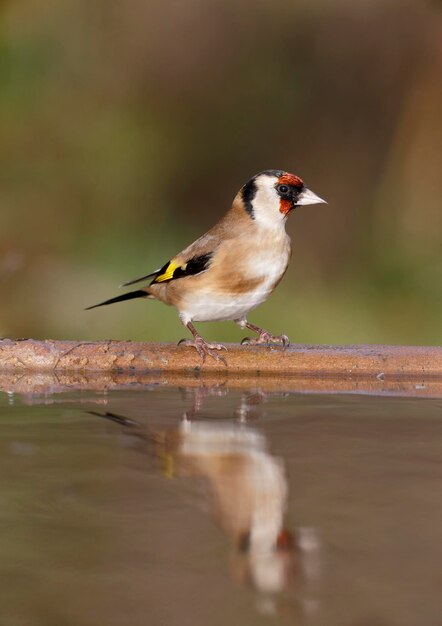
[233, 267]
[247, 490]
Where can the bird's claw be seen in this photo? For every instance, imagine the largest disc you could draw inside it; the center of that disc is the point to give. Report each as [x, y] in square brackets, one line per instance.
[267, 338]
[203, 348]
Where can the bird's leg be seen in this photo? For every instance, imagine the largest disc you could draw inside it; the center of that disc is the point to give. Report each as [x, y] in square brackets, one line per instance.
[203, 348]
[263, 335]
[199, 395]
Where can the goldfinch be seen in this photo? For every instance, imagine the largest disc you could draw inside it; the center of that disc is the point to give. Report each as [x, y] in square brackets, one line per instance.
[233, 267]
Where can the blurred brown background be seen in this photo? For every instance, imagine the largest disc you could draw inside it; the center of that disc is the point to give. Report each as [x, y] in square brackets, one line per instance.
[126, 128]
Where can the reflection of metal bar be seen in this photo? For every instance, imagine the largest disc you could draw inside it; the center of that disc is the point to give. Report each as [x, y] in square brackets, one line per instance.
[23, 381]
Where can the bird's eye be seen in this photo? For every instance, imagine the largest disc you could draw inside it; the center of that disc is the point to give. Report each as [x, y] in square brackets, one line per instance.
[283, 189]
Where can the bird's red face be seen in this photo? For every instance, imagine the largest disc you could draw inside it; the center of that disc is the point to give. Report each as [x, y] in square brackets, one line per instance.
[271, 195]
[289, 187]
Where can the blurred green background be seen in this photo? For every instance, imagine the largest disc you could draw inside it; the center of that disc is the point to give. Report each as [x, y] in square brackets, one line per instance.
[127, 127]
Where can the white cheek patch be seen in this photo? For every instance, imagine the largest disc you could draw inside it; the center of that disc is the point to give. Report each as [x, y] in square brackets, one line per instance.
[265, 190]
[266, 203]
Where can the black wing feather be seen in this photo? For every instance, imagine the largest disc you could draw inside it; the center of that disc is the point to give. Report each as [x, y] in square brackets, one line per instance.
[138, 280]
[194, 266]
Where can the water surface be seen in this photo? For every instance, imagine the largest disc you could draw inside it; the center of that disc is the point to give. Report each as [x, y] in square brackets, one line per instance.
[220, 507]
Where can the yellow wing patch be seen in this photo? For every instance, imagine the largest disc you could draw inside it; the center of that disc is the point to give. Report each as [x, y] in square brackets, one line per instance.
[176, 269]
[169, 272]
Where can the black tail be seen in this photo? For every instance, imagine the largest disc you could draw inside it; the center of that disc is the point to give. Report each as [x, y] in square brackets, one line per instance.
[125, 296]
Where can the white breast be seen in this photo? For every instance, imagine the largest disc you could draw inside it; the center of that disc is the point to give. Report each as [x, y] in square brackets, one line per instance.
[267, 263]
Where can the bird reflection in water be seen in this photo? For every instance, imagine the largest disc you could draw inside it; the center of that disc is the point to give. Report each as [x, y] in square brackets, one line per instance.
[248, 493]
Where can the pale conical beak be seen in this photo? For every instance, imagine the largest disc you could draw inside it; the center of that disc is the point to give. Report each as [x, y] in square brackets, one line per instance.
[308, 197]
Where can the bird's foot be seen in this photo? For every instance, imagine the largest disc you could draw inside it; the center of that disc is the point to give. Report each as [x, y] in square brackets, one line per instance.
[203, 348]
[267, 338]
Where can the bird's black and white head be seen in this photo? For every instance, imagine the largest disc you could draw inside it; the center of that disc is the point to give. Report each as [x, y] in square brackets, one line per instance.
[270, 196]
